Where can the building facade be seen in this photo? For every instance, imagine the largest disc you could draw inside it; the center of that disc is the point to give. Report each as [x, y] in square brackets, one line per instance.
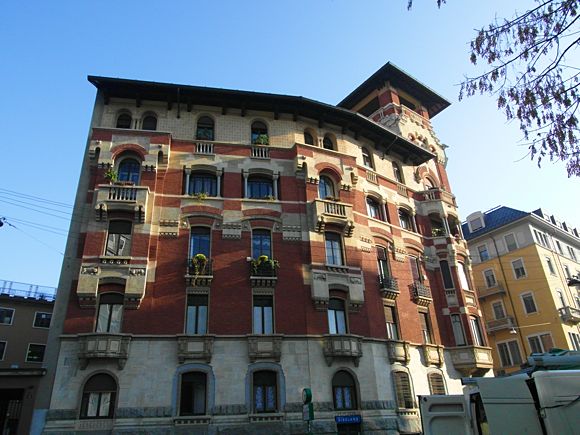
[523, 264]
[237, 247]
[25, 316]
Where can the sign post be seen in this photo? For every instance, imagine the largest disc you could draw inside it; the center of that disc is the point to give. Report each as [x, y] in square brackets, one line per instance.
[307, 407]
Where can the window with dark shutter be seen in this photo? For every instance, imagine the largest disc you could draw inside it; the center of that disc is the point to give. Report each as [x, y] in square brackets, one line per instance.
[436, 383]
[403, 390]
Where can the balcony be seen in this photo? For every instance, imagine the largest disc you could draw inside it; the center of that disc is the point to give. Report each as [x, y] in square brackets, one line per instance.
[123, 198]
[265, 347]
[199, 272]
[333, 212]
[570, 315]
[194, 347]
[204, 148]
[437, 195]
[471, 360]
[263, 273]
[389, 287]
[500, 324]
[398, 351]
[432, 354]
[485, 292]
[342, 346]
[103, 346]
[260, 152]
[421, 294]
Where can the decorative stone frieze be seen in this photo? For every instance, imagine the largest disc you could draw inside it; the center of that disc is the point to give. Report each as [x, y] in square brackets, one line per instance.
[265, 347]
[231, 230]
[192, 420]
[342, 346]
[97, 346]
[194, 347]
[291, 233]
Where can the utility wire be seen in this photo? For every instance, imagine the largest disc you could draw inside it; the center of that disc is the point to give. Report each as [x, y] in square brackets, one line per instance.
[35, 198]
[34, 204]
[31, 236]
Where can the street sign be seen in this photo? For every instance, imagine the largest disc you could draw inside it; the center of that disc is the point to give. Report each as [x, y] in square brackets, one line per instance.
[348, 419]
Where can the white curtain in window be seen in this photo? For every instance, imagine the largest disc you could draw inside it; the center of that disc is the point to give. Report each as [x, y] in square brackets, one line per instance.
[93, 405]
[105, 404]
[103, 318]
[116, 314]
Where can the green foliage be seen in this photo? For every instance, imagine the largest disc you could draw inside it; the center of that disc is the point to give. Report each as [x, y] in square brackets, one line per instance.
[111, 175]
[262, 139]
[264, 264]
[200, 196]
[199, 263]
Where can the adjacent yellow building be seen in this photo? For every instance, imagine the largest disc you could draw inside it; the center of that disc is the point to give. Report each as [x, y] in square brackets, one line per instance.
[522, 265]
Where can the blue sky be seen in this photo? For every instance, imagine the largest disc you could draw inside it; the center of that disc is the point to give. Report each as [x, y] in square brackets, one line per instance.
[318, 49]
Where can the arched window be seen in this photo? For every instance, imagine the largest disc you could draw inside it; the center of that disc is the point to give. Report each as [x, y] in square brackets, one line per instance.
[436, 383]
[129, 170]
[203, 183]
[192, 399]
[446, 274]
[429, 184]
[119, 238]
[110, 313]
[326, 188]
[328, 143]
[265, 392]
[336, 317]
[403, 390]
[99, 396]
[367, 160]
[199, 241]
[406, 220]
[149, 122]
[205, 128]
[260, 187]
[124, 121]
[333, 245]
[374, 209]
[308, 138]
[398, 174]
[344, 391]
[260, 133]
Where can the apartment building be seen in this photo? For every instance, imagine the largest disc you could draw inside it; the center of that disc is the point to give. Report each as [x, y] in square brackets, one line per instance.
[238, 248]
[524, 264]
[25, 315]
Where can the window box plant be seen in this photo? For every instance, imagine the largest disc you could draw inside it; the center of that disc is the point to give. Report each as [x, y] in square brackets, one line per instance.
[111, 175]
[199, 263]
[262, 139]
[264, 266]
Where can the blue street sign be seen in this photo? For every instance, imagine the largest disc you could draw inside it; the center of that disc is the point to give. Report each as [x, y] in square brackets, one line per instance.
[347, 419]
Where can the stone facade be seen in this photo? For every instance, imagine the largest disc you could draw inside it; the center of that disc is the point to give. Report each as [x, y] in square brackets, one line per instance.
[390, 216]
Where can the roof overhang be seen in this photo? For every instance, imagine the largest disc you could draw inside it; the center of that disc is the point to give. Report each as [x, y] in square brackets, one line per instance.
[392, 74]
[184, 96]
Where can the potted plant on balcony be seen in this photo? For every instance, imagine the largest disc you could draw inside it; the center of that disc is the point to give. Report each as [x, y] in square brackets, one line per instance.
[199, 263]
[438, 232]
[264, 265]
[111, 175]
[262, 139]
[200, 196]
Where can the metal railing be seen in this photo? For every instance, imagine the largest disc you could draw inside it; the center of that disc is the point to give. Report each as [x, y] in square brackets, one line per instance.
[201, 269]
[28, 291]
[420, 290]
[499, 324]
[388, 282]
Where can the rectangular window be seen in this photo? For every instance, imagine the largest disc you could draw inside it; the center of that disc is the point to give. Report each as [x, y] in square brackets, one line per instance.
[572, 253]
[567, 272]
[383, 262]
[489, 278]
[110, 313]
[498, 310]
[462, 272]
[457, 330]
[199, 241]
[42, 320]
[509, 353]
[6, 316]
[35, 353]
[192, 398]
[483, 253]
[446, 274]
[2, 350]
[529, 303]
[336, 317]
[333, 244]
[391, 320]
[559, 247]
[403, 390]
[540, 343]
[425, 327]
[510, 242]
[550, 266]
[476, 331]
[119, 238]
[518, 268]
[261, 243]
[196, 317]
[476, 224]
[415, 269]
[263, 315]
[574, 339]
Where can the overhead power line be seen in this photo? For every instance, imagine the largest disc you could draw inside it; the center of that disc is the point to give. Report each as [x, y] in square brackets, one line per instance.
[35, 198]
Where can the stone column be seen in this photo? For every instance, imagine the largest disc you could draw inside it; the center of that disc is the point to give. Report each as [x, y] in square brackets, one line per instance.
[245, 174]
[187, 175]
[275, 185]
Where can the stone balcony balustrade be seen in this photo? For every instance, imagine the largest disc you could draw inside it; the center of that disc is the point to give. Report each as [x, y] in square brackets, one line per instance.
[421, 294]
[500, 324]
[99, 346]
[121, 197]
[570, 315]
[194, 348]
[265, 347]
[342, 346]
[398, 351]
[432, 354]
[339, 213]
[471, 360]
